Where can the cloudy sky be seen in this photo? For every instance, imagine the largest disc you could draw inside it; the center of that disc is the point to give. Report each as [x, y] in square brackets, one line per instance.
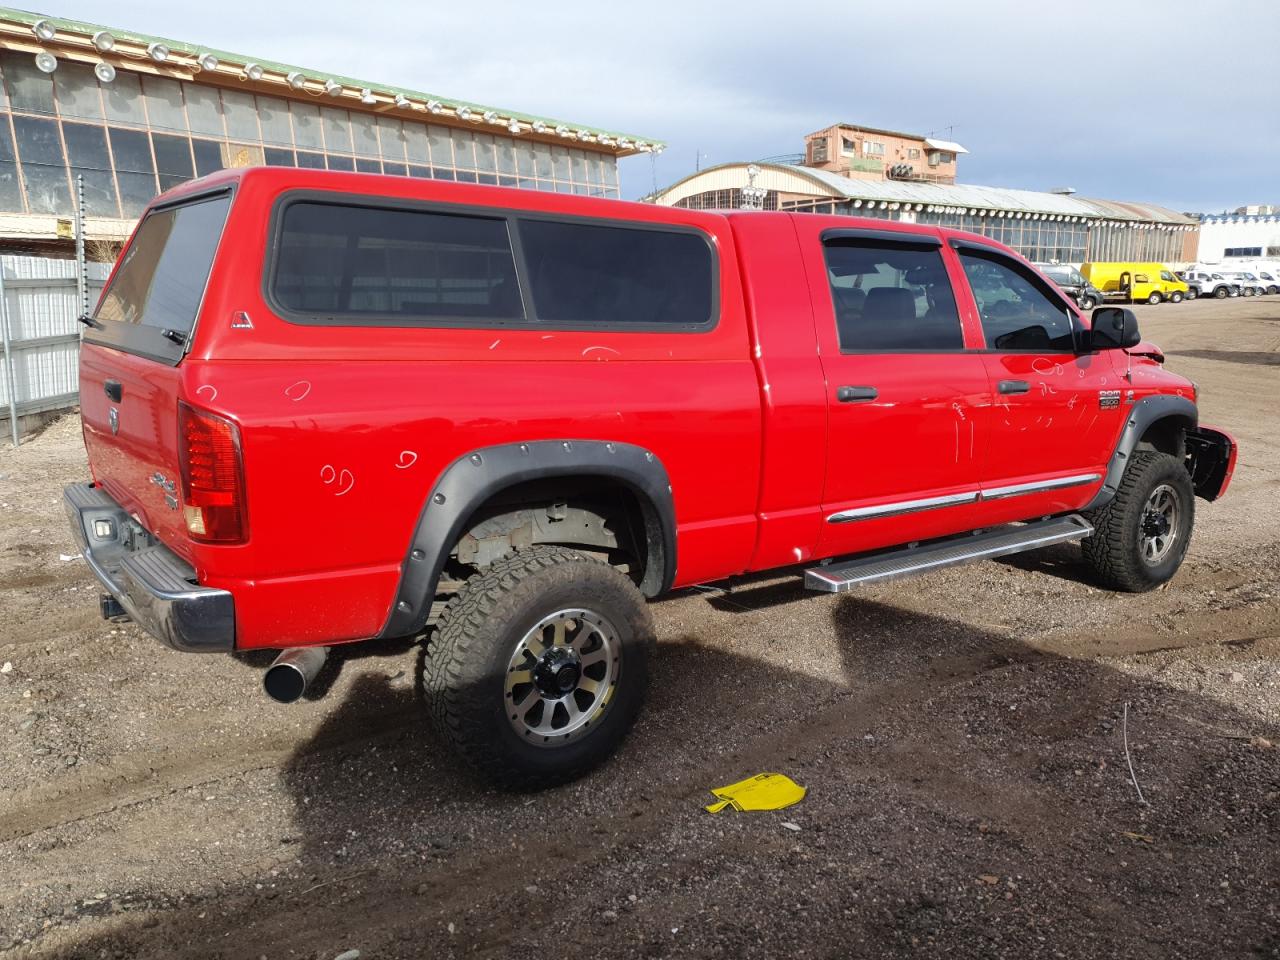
[1173, 103]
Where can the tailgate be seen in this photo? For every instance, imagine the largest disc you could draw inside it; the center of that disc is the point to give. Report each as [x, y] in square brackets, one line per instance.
[129, 406]
[139, 334]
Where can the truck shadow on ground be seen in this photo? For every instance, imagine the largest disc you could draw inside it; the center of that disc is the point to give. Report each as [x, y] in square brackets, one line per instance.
[941, 760]
[1062, 560]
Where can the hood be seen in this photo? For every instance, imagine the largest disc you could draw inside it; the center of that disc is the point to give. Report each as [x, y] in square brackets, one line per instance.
[1147, 351]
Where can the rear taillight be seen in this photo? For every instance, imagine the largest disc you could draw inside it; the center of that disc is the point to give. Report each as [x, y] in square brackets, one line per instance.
[213, 502]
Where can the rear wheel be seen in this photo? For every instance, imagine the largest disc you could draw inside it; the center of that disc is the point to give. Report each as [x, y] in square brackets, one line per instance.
[1141, 536]
[1154, 298]
[539, 666]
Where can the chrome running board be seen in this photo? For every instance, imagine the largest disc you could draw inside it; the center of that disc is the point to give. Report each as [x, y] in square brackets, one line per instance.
[906, 561]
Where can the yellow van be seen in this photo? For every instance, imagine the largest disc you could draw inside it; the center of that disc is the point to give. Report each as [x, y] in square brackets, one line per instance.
[1152, 282]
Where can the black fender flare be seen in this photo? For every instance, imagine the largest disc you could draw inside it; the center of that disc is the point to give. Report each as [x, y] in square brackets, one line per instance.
[1143, 414]
[476, 476]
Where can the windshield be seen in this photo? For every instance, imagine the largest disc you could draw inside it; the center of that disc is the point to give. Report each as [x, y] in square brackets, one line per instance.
[1166, 275]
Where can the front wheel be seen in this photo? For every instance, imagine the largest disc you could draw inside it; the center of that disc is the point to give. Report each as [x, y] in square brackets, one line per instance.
[1221, 293]
[539, 666]
[1087, 303]
[1154, 298]
[1141, 536]
[1192, 294]
[1175, 297]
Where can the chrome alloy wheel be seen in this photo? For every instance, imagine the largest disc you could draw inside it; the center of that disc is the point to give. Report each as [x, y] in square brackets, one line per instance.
[1158, 530]
[562, 676]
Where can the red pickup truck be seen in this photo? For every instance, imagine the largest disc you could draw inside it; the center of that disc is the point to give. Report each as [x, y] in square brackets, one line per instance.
[326, 407]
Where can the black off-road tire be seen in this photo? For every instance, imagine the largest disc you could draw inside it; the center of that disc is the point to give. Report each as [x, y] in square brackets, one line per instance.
[466, 661]
[1114, 551]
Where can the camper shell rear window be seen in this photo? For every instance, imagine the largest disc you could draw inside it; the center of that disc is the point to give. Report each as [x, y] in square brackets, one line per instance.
[151, 304]
[341, 260]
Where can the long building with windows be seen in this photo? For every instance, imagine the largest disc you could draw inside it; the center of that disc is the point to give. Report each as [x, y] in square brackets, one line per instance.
[135, 114]
[1042, 226]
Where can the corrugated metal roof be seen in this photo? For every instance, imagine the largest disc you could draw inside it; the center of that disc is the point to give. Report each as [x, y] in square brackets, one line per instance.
[186, 49]
[1147, 212]
[951, 195]
[795, 178]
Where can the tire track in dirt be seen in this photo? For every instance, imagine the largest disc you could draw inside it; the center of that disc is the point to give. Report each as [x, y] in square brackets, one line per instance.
[76, 799]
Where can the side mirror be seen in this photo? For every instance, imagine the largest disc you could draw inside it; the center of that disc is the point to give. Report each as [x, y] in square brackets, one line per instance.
[1114, 328]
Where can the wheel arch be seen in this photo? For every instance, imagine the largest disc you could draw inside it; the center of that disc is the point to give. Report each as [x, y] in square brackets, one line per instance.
[475, 479]
[1159, 422]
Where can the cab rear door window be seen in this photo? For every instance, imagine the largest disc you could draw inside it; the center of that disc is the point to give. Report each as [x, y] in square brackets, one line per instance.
[891, 297]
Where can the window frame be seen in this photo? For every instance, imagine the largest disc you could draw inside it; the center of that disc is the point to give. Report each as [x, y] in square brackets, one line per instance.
[510, 216]
[960, 245]
[904, 238]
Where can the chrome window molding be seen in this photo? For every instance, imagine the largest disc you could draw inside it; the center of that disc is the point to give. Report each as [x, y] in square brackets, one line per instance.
[899, 507]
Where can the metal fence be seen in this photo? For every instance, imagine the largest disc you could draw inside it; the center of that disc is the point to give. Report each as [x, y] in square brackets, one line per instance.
[39, 304]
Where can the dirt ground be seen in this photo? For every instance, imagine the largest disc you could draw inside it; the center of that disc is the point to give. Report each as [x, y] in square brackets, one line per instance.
[961, 737]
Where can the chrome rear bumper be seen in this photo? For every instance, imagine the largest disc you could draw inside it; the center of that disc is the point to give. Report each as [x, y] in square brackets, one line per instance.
[155, 586]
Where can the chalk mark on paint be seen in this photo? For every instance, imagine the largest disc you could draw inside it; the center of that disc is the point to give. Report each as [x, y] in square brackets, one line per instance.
[298, 391]
[407, 459]
[213, 391]
[343, 478]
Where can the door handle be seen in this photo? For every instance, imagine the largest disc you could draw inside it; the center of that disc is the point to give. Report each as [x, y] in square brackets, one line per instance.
[856, 394]
[113, 389]
[1013, 386]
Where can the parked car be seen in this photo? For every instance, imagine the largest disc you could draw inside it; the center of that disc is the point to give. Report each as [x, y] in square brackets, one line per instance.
[1268, 271]
[1270, 280]
[1073, 283]
[1201, 283]
[1135, 282]
[1250, 285]
[326, 407]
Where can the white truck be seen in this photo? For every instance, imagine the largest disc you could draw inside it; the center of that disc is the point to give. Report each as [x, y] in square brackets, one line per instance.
[1205, 281]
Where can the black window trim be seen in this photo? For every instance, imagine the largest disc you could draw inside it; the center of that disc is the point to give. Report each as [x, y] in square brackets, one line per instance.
[511, 217]
[906, 238]
[122, 336]
[962, 244]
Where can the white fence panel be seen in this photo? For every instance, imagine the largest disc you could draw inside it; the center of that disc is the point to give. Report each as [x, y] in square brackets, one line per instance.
[39, 303]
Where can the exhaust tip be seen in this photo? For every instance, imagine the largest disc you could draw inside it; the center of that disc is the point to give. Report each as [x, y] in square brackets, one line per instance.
[287, 679]
[284, 683]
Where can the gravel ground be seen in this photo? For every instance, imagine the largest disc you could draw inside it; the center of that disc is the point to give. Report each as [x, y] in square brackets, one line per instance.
[961, 737]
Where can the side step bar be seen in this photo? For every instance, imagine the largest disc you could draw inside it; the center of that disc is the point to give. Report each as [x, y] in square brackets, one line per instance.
[905, 561]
